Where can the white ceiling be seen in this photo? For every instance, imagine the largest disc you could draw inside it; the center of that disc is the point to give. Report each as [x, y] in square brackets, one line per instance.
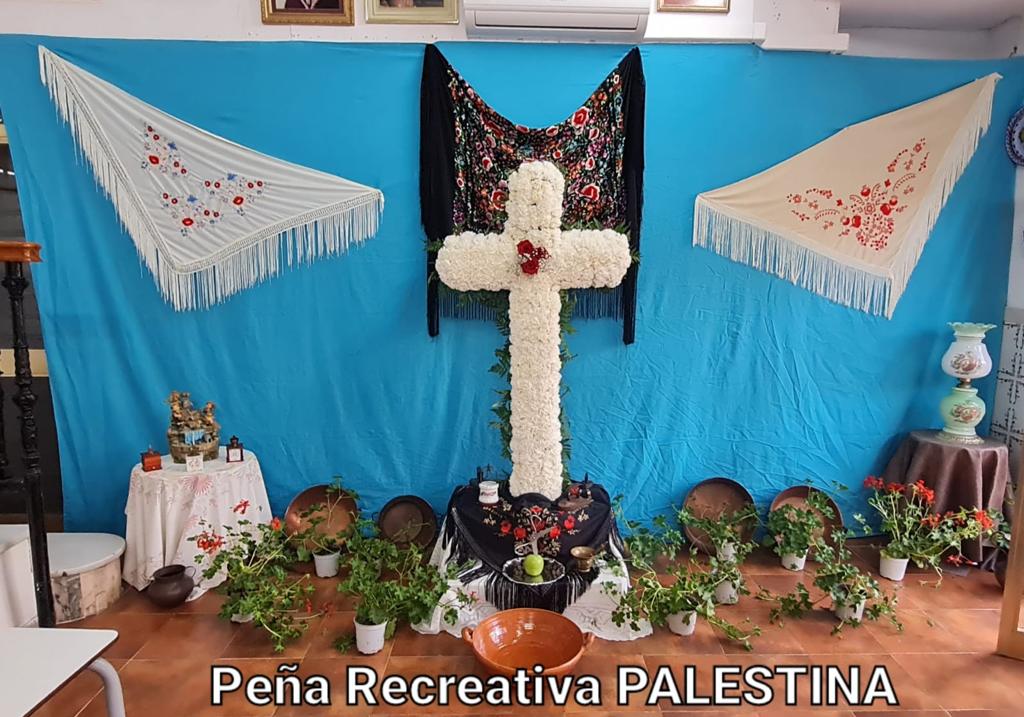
[928, 14]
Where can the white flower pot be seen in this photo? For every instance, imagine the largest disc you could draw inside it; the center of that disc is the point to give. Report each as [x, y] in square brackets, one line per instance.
[370, 638]
[892, 568]
[326, 566]
[683, 623]
[241, 618]
[727, 551]
[726, 593]
[845, 612]
[795, 563]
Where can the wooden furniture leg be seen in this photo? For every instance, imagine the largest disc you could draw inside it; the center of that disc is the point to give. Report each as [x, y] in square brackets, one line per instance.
[1011, 635]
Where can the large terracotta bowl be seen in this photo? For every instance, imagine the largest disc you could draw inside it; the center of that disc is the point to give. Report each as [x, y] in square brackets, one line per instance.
[522, 638]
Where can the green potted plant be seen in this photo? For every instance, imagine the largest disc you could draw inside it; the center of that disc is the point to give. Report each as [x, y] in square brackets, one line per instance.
[791, 529]
[854, 594]
[314, 542]
[392, 584]
[686, 593]
[725, 533]
[916, 533]
[259, 587]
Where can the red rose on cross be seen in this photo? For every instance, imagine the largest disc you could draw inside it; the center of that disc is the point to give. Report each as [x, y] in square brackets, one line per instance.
[530, 258]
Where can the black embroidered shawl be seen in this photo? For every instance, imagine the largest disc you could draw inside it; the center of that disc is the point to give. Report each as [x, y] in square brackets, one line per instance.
[467, 151]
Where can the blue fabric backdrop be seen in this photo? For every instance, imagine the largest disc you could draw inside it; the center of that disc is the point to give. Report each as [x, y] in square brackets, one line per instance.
[328, 368]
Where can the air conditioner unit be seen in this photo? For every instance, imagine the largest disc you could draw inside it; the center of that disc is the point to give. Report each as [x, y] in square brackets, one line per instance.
[573, 20]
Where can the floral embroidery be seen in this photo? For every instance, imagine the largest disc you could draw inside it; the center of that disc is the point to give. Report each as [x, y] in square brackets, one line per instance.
[199, 203]
[588, 148]
[870, 214]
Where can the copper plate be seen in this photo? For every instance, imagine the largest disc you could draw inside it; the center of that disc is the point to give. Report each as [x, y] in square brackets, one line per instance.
[524, 637]
[408, 519]
[712, 498]
[343, 516]
[797, 497]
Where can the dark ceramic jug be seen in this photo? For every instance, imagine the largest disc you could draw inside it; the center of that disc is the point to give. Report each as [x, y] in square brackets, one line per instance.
[171, 585]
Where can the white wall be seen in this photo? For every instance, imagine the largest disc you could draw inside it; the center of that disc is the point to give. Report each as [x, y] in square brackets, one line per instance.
[1004, 40]
[240, 20]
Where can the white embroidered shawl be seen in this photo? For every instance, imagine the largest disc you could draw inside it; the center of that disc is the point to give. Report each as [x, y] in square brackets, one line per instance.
[849, 217]
[208, 216]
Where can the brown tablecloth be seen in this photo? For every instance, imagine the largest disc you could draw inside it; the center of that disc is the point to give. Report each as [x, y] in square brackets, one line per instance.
[962, 475]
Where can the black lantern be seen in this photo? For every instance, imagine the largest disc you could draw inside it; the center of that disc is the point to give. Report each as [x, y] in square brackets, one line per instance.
[235, 451]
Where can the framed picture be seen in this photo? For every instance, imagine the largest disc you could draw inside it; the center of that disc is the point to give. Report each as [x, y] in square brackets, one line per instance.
[308, 12]
[693, 5]
[426, 12]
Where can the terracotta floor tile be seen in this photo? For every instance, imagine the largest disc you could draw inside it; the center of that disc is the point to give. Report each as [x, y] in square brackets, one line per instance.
[209, 603]
[339, 624]
[1013, 712]
[607, 672]
[976, 630]
[909, 690]
[159, 688]
[904, 713]
[973, 681]
[814, 633]
[968, 681]
[773, 639]
[434, 665]
[409, 643]
[133, 630]
[196, 701]
[70, 699]
[921, 633]
[192, 635]
[976, 591]
[132, 600]
[663, 642]
[336, 673]
[250, 642]
[702, 690]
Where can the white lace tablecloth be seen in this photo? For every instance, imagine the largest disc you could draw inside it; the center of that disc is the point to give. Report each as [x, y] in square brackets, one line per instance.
[592, 611]
[166, 507]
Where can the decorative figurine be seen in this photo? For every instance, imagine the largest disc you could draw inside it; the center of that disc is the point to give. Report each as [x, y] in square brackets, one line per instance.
[190, 430]
[235, 451]
[151, 460]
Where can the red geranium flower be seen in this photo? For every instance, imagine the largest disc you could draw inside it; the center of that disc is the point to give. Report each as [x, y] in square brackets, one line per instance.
[275, 524]
[895, 487]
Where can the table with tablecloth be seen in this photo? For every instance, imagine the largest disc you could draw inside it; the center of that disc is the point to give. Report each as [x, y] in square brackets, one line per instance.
[168, 507]
[961, 474]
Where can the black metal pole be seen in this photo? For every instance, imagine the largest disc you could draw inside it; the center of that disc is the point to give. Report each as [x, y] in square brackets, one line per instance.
[25, 399]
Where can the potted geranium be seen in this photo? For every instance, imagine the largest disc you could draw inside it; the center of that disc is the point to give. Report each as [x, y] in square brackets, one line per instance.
[791, 529]
[390, 585]
[685, 593]
[915, 532]
[725, 533]
[314, 541]
[854, 594]
[259, 587]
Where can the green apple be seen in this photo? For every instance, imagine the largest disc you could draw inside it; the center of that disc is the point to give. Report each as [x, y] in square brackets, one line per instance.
[533, 565]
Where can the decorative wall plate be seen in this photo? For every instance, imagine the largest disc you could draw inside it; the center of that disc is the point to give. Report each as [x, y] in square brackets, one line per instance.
[407, 519]
[712, 498]
[341, 517]
[797, 497]
[1015, 138]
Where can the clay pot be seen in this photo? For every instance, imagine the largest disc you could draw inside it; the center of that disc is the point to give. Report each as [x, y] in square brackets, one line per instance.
[522, 638]
[171, 585]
